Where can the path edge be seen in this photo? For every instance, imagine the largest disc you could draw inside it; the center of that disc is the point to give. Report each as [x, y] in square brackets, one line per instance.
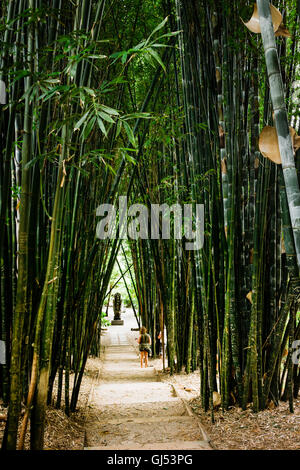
[189, 410]
[95, 380]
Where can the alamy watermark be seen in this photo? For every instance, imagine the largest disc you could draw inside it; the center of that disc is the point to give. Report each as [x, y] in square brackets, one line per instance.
[139, 221]
[296, 352]
[2, 353]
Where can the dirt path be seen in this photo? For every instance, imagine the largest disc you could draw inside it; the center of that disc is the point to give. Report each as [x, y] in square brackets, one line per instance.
[131, 409]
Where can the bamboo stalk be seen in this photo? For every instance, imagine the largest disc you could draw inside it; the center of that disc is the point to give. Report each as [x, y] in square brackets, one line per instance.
[281, 120]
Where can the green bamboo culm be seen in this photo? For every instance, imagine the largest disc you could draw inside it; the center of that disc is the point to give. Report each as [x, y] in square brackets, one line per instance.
[21, 307]
[281, 119]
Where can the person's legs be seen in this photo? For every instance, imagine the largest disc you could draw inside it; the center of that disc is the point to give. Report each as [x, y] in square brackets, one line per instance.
[142, 357]
[146, 358]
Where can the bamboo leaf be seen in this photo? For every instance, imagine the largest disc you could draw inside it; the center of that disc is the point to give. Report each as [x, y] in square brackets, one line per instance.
[88, 127]
[109, 110]
[101, 126]
[130, 134]
[106, 117]
[156, 56]
[137, 48]
[119, 127]
[136, 116]
[90, 91]
[124, 58]
[81, 121]
[95, 56]
[129, 158]
[160, 26]
[168, 35]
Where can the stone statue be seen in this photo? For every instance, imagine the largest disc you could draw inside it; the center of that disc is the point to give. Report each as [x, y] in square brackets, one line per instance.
[117, 310]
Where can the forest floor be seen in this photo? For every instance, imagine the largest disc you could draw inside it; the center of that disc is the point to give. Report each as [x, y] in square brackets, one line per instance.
[63, 432]
[272, 429]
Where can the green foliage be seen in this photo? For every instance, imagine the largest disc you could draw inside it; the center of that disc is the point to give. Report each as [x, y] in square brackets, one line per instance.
[104, 321]
[146, 48]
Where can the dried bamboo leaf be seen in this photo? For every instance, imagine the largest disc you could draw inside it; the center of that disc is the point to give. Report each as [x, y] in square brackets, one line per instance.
[296, 142]
[249, 296]
[64, 175]
[216, 399]
[253, 24]
[224, 166]
[283, 31]
[268, 143]
[221, 137]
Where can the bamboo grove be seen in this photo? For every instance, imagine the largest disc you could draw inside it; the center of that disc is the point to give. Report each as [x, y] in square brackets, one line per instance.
[163, 101]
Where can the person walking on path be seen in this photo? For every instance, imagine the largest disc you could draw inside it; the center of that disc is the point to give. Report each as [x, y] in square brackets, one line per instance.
[144, 342]
[159, 346]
